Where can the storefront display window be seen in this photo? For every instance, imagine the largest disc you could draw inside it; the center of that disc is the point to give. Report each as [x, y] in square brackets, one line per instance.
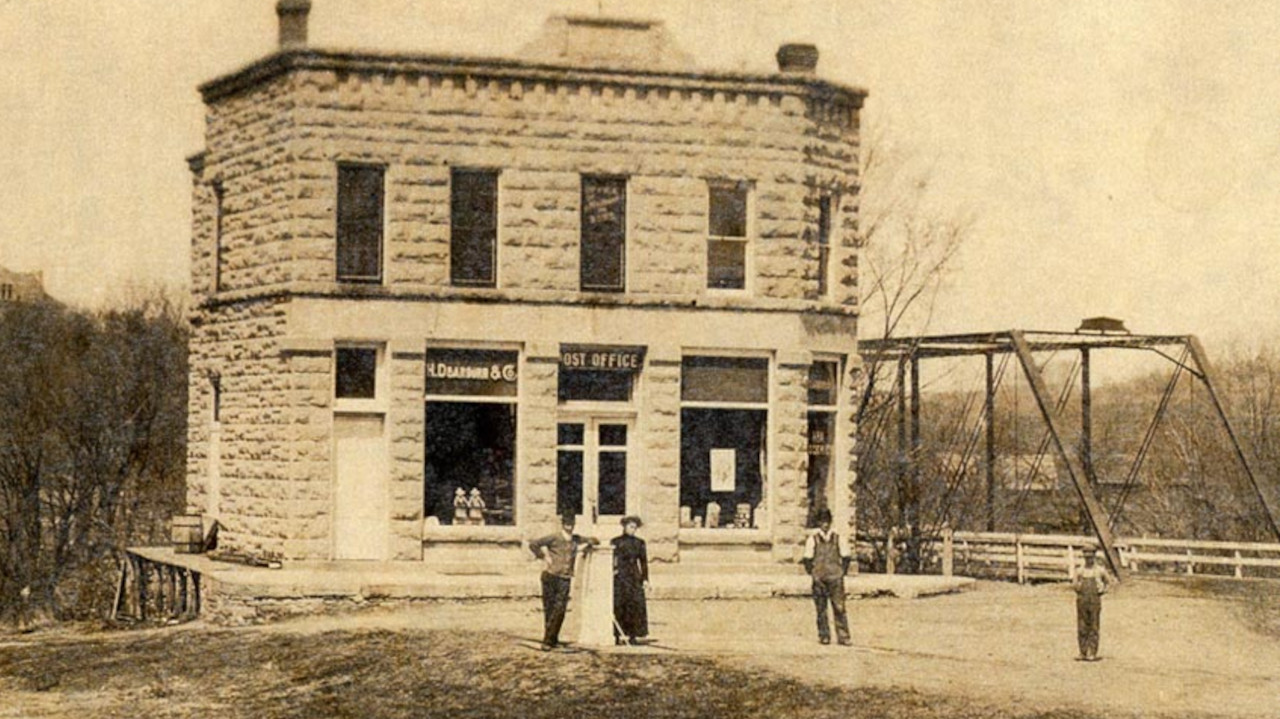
[723, 441]
[470, 419]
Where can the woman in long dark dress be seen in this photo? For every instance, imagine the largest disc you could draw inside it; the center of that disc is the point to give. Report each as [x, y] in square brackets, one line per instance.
[630, 580]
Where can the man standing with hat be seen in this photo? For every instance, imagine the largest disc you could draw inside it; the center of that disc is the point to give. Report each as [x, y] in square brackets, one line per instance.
[1090, 583]
[557, 552]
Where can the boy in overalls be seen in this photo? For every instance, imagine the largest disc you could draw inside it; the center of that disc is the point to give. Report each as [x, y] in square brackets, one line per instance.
[826, 559]
[1090, 584]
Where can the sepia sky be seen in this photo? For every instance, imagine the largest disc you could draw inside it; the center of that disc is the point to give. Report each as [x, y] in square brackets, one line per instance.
[1120, 158]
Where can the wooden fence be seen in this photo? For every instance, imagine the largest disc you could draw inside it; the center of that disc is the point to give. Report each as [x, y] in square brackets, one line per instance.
[1030, 557]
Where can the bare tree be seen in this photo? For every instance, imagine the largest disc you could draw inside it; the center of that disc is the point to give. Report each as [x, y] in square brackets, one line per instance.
[910, 239]
[92, 444]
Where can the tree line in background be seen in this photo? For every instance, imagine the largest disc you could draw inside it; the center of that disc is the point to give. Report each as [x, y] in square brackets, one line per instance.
[92, 447]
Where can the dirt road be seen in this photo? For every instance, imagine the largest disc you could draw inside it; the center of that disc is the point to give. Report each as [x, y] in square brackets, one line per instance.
[1168, 649]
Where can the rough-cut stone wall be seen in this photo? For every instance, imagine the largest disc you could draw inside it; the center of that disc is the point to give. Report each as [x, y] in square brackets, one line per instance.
[660, 446]
[274, 148]
[406, 422]
[537, 437]
[790, 443]
[261, 446]
[248, 152]
[542, 136]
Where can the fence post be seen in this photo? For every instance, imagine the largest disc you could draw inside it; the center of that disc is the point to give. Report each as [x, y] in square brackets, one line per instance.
[1190, 564]
[1239, 566]
[948, 552]
[1017, 550]
[1071, 562]
[889, 545]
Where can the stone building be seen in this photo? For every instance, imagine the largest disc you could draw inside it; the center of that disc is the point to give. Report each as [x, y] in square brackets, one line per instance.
[589, 278]
[21, 286]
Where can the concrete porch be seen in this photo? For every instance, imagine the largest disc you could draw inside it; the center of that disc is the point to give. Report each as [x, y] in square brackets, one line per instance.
[305, 581]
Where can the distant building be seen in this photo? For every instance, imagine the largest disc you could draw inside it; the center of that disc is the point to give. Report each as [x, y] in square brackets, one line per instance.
[21, 286]
[589, 279]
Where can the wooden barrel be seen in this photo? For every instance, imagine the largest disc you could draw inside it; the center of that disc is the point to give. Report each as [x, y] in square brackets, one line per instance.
[188, 534]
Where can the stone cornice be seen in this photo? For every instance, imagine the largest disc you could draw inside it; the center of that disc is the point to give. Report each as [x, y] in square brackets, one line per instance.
[526, 297]
[284, 62]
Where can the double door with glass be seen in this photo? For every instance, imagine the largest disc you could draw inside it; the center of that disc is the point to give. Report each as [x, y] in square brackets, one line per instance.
[593, 464]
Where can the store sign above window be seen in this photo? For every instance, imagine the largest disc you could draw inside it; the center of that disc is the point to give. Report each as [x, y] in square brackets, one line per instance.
[486, 373]
[607, 358]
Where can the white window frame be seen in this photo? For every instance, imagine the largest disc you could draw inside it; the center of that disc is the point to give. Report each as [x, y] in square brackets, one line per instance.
[381, 383]
[771, 448]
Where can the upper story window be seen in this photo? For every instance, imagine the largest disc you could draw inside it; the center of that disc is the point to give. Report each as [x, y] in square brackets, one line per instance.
[824, 245]
[473, 239]
[728, 227]
[219, 250]
[604, 234]
[360, 201]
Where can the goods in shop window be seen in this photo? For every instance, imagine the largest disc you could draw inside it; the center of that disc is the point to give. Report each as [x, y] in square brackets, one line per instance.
[713, 515]
[475, 508]
[460, 506]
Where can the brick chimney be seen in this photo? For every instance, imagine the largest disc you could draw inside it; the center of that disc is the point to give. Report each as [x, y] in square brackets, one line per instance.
[293, 23]
[798, 59]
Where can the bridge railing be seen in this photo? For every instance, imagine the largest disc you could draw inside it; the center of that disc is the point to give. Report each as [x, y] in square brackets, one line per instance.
[1050, 557]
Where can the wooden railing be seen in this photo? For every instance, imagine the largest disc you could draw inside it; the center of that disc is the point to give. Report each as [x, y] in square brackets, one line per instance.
[1028, 557]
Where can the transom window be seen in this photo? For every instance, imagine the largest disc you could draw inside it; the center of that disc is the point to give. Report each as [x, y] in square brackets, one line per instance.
[355, 372]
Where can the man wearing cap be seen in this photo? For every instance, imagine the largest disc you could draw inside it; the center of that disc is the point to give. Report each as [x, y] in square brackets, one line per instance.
[826, 558]
[1090, 583]
[557, 552]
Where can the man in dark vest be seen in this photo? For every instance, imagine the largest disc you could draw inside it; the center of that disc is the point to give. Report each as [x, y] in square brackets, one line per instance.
[557, 552]
[826, 559]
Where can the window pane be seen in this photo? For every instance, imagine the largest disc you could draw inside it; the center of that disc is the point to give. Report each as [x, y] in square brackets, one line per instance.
[359, 240]
[823, 383]
[613, 435]
[570, 433]
[728, 210]
[613, 482]
[742, 433]
[473, 228]
[724, 379]
[568, 482]
[726, 264]
[595, 385]
[355, 372]
[821, 433]
[470, 446]
[219, 249]
[824, 243]
[603, 242]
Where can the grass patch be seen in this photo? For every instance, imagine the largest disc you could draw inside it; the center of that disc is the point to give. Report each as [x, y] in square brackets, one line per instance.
[370, 674]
